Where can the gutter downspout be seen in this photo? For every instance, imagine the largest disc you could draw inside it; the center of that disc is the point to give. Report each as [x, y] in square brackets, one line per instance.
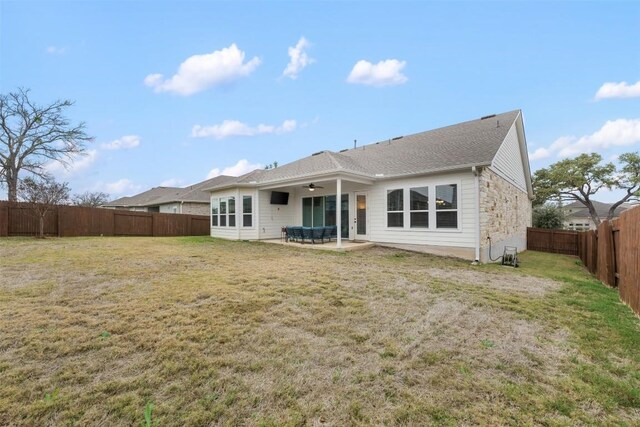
[476, 174]
[181, 203]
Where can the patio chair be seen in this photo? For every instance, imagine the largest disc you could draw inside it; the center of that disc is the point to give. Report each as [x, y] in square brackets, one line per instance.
[307, 233]
[289, 234]
[296, 232]
[326, 233]
[333, 232]
[317, 233]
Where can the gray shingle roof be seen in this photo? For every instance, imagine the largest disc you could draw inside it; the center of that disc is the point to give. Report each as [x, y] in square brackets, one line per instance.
[162, 195]
[475, 142]
[145, 198]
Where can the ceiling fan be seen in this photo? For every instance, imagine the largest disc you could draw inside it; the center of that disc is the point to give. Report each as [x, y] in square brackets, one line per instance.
[311, 186]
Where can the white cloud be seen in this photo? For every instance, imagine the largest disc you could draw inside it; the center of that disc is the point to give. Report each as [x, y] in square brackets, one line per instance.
[299, 59]
[121, 187]
[384, 73]
[614, 133]
[540, 153]
[243, 166]
[200, 72]
[127, 141]
[229, 128]
[77, 164]
[56, 50]
[618, 90]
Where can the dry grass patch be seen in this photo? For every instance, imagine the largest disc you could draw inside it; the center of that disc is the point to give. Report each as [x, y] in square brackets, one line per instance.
[226, 333]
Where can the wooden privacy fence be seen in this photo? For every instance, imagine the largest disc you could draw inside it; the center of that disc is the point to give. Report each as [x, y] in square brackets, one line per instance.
[555, 241]
[17, 219]
[611, 253]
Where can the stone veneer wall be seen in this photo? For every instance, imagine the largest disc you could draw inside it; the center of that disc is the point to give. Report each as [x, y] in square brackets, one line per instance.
[505, 214]
[195, 208]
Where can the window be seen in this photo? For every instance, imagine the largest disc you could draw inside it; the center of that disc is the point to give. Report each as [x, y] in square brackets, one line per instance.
[232, 211]
[447, 206]
[223, 212]
[247, 212]
[313, 211]
[419, 207]
[215, 211]
[395, 209]
[307, 211]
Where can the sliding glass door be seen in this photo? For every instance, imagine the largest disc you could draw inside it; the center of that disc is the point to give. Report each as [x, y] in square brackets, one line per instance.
[321, 210]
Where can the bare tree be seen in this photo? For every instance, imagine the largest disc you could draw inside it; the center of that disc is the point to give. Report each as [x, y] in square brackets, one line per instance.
[90, 199]
[43, 195]
[32, 135]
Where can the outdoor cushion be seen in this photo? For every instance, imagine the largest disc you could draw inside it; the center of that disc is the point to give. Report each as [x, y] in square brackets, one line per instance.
[317, 234]
[307, 234]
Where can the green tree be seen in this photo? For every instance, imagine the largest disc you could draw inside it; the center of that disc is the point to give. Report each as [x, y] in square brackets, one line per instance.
[580, 178]
[32, 136]
[548, 216]
[43, 194]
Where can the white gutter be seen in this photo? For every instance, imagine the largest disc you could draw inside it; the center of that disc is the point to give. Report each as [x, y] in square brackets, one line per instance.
[476, 180]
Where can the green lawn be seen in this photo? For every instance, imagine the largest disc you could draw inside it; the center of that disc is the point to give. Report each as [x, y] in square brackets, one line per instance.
[197, 331]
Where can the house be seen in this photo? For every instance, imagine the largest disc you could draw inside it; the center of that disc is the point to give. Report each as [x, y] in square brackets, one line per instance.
[578, 217]
[460, 188]
[188, 200]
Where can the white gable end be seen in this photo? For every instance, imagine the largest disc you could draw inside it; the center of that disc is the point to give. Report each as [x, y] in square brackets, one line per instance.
[508, 160]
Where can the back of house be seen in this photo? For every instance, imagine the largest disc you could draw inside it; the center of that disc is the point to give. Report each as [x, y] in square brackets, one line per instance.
[461, 188]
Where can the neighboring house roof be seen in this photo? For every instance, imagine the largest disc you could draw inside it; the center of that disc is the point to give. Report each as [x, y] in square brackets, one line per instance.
[163, 195]
[472, 143]
[145, 198]
[578, 210]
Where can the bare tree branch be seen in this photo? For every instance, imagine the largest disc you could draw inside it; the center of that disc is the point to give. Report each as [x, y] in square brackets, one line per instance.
[33, 135]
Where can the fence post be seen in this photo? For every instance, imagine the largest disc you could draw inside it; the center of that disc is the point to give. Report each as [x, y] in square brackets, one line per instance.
[58, 220]
[608, 255]
[4, 219]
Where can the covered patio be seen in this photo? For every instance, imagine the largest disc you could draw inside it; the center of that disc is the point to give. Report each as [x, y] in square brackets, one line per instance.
[314, 203]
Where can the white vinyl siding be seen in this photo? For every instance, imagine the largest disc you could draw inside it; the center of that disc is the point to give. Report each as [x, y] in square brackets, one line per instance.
[237, 232]
[463, 236]
[273, 217]
[508, 160]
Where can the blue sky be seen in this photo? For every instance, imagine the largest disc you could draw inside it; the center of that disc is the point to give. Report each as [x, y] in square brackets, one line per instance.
[174, 92]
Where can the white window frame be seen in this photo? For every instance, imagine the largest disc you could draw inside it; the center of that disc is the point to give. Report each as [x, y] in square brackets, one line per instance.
[456, 210]
[431, 184]
[427, 211]
[403, 211]
[243, 213]
[216, 202]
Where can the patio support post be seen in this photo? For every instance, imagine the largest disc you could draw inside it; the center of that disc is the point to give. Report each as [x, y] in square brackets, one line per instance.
[339, 212]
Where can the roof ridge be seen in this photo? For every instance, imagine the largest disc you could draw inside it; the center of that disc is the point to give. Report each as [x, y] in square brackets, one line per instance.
[335, 161]
[403, 138]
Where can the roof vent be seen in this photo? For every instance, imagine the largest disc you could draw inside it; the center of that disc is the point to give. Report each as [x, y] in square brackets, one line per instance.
[319, 152]
[346, 149]
[487, 117]
[396, 138]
